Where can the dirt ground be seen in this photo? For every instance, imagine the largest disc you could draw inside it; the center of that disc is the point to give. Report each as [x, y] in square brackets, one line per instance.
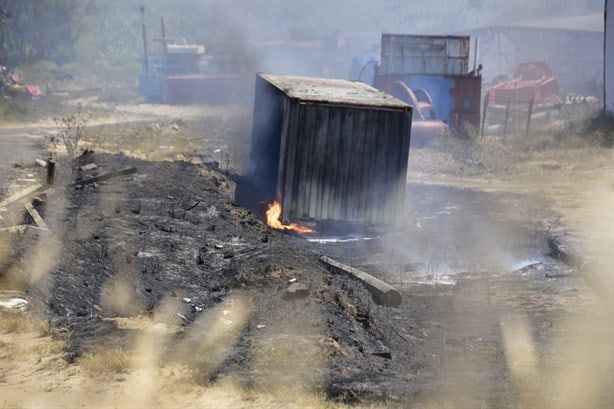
[155, 289]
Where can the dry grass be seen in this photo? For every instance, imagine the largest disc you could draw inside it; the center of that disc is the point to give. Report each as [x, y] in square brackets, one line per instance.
[560, 144]
[52, 347]
[106, 361]
[8, 351]
[16, 321]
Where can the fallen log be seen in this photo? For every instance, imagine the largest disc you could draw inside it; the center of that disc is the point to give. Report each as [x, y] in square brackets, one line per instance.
[105, 176]
[382, 293]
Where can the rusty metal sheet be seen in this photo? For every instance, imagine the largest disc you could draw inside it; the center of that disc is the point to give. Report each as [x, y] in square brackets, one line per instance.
[422, 54]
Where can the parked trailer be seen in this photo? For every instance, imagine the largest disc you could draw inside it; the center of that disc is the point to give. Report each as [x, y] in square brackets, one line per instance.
[328, 150]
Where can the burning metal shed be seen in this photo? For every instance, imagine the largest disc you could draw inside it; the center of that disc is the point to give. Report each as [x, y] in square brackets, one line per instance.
[329, 150]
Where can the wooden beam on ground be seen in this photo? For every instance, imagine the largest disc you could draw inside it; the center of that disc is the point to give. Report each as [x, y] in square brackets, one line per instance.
[383, 293]
[36, 216]
[20, 195]
[105, 176]
[22, 228]
[14, 229]
[89, 166]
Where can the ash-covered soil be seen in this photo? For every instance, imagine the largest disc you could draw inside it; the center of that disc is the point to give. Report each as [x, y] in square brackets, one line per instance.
[170, 244]
[491, 317]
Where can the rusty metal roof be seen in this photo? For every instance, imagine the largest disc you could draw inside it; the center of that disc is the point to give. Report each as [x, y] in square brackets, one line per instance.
[332, 91]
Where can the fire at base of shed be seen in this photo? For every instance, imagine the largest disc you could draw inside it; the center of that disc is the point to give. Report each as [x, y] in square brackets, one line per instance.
[329, 151]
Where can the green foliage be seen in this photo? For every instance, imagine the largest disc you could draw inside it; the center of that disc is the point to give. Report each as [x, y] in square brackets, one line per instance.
[33, 30]
[103, 35]
[12, 111]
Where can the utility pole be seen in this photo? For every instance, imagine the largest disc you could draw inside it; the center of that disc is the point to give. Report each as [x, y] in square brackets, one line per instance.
[608, 60]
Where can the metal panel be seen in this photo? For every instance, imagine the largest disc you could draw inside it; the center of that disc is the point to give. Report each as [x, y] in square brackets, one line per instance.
[419, 54]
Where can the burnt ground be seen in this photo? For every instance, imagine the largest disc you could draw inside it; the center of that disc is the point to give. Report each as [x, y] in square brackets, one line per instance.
[471, 266]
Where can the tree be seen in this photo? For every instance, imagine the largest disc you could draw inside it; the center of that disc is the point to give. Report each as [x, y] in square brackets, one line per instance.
[32, 30]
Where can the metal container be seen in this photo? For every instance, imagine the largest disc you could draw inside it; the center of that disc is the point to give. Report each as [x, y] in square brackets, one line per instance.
[422, 54]
[438, 65]
[456, 98]
[329, 150]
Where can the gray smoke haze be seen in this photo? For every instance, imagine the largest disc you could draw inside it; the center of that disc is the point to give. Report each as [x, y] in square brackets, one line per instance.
[320, 37]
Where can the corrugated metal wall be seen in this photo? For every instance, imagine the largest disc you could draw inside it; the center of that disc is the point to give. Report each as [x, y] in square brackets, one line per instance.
[343, 162]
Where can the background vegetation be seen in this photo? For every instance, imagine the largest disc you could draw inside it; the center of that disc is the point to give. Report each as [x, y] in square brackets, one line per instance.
[105, 35]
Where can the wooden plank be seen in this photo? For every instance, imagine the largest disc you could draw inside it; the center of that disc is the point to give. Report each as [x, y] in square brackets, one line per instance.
[88, 166]
[324, 181]
[289, 202]
[356, 180]
[390, 177]
[404, 158]
[105, 176]
[380, 176]
[397, 132]
[382, 292]
[333, 162]
[375, 172]
[302, 163]
[22, 228]
[30, 190]
[395, 141]
[320, 160]
[311, 181]
[367, 158]
[344, 152]
[314, 157]
[296, 117]
[36, 216]
[283, 156]
[38, 229]
[365, 201]
[14, 229]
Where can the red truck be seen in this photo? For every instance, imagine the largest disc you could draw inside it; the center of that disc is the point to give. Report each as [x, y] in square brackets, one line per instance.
[532, 81]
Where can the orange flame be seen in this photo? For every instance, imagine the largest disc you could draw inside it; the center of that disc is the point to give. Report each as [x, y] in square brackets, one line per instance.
[273, 219]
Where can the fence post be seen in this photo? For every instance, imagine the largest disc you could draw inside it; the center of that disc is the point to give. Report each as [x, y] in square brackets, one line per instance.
[50, 171]
[526, 132]
[507, 115]
[484, 115]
